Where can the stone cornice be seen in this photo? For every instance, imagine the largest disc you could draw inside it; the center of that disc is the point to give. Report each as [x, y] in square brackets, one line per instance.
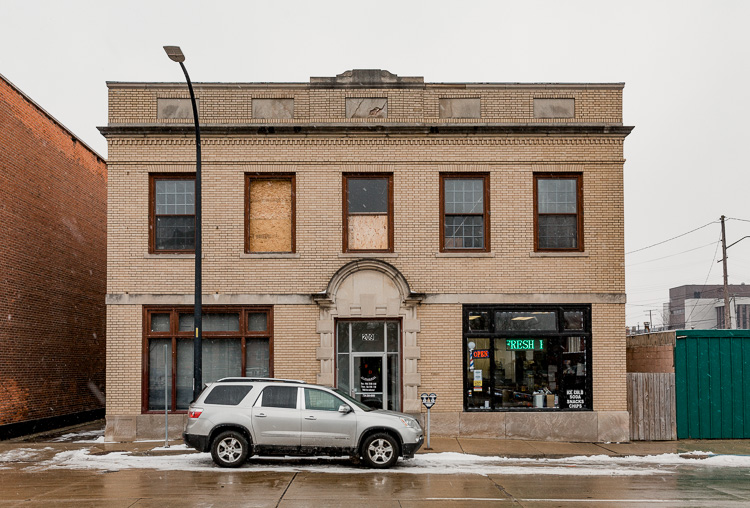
[369, 129]
[323, 299]
[180, 86]
[366, 141]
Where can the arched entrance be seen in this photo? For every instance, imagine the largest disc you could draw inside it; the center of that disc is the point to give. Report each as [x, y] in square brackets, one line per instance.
[368, 330]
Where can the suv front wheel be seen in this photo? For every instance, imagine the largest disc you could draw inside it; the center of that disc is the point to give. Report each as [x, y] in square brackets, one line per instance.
[380, 451]
[230, 449]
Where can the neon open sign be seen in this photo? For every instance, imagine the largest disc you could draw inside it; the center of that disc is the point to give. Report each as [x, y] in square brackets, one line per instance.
[524, 344]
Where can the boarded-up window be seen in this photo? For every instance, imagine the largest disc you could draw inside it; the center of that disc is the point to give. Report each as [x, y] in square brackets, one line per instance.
[270, 214]
[368, 213]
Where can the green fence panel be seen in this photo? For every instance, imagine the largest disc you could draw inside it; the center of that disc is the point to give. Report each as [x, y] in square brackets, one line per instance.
[725, 357]
[738, 401]
[680, 388]
[703, 392]
[714, 406]
[712, 384]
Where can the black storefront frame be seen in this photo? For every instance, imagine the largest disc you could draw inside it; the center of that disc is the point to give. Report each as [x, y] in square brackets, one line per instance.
[492, 334]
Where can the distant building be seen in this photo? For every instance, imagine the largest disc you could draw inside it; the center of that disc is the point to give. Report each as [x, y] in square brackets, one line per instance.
[53, 245]
[702, 307]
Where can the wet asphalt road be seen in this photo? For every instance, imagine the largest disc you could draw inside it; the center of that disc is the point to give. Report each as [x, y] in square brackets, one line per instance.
[27, 479]
[24, 484]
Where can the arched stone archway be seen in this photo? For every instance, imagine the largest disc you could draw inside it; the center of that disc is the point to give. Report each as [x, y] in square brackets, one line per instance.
[371, 289]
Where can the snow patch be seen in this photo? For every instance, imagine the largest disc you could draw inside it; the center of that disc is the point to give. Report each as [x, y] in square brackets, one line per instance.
[22, 454]
[90, 436]
[436, 463]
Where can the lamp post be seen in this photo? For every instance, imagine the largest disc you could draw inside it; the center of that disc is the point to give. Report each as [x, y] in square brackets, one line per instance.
[175, 54]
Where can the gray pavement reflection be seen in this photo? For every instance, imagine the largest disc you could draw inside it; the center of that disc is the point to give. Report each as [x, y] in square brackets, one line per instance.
[26, 484]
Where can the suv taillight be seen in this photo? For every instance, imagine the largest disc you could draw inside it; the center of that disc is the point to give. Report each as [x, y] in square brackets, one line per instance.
[195, 412]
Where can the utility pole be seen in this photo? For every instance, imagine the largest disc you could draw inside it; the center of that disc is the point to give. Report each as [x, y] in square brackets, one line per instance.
[727, 313]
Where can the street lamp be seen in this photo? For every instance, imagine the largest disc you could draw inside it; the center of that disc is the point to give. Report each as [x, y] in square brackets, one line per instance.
[175, 54]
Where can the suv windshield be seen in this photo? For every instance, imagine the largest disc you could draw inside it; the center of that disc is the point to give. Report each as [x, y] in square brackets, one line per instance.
[352, 400]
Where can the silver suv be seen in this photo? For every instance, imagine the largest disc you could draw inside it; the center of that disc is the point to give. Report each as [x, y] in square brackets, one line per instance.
[235, 418]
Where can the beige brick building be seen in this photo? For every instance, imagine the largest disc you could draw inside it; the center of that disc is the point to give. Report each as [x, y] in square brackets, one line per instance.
[376, 233]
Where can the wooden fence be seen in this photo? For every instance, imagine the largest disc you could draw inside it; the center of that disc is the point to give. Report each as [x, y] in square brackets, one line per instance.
[652, 408]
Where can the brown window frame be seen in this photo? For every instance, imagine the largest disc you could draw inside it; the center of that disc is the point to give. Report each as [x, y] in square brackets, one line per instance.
[152, 178]
[578, 177]
[174, 333]
[485, 213]
[249, 177]
[345, 209]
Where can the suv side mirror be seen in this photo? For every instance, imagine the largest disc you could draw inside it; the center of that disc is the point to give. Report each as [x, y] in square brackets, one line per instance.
[345, 409]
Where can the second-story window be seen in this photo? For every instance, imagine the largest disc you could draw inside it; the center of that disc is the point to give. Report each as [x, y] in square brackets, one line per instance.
[269, 213]
[368, 213]
[559, 212]
[465, 213]
[172, 217]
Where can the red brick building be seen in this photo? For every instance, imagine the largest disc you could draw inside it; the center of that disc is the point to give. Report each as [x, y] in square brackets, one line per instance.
[53, 244]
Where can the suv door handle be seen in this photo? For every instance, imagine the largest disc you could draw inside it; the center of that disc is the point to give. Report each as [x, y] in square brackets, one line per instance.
[260, 415]
[310, 418]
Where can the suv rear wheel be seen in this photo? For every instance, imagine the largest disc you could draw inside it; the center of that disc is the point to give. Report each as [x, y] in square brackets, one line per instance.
[230, 449]
[380, 451]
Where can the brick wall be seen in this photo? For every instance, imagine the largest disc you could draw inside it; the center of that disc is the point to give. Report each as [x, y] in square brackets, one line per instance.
[511, 273]
[651, 352]
[52, 265]
[416, 168]
[231, 104]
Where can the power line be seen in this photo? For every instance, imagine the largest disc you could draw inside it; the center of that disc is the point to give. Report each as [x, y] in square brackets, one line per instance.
[735, 218]
[670, 239]
[706, 281]
[670, 256]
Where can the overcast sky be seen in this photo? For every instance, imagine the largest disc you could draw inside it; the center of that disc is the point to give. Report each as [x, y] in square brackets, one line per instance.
[685, 65]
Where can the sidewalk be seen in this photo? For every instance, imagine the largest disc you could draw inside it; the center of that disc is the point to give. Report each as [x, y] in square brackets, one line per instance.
[474, 446]
[556, 449]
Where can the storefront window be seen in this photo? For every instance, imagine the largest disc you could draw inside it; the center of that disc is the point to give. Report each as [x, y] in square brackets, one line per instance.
[532, 358]
[237, 341]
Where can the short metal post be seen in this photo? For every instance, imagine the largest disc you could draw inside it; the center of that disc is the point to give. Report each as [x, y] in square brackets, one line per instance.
[428, 430]
[428, 401]
[166, 398]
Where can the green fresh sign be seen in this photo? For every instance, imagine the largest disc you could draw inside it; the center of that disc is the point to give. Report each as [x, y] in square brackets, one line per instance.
[524, 344]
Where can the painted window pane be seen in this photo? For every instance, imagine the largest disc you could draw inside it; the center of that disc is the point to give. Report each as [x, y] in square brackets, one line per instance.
[367, 195]
[159, 375]
[257, 322]
[184, 373]
[257, 358]
[558, 232]
[221, 358]
[159, 322]
[175, 233]
[213, 322]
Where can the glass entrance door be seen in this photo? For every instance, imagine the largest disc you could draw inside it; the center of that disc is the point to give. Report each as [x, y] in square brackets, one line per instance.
[368, 373]
[368, 362]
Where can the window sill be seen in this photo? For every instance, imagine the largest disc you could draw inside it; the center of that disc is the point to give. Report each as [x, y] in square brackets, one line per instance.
[149, 255]
[464, 254]
[558, 254]
[269, 255]
[354, 255]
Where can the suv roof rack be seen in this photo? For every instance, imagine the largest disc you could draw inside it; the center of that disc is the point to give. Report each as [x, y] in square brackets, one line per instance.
[258, 379]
